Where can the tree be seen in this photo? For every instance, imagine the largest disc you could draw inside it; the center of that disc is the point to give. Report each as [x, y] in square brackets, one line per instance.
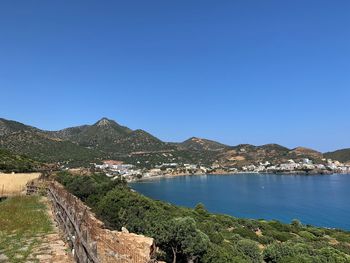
[296, 223]
[183, 239]
[222, 254]
[277, 251]
[200, 209]
[250, 249]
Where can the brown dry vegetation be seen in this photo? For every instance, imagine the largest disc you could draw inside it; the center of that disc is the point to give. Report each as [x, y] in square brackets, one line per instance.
[13, 184]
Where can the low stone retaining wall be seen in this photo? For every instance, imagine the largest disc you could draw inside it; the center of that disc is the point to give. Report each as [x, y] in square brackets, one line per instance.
[91, 242]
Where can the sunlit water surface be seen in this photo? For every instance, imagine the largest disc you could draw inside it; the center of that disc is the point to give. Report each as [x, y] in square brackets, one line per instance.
[322, 200]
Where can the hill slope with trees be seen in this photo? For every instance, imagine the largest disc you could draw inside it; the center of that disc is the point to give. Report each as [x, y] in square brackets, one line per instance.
[342, 155]
[17, 163]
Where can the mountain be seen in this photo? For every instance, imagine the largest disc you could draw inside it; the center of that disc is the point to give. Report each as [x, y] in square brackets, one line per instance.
[106, 139]
[102, 132]
[342, 155]
[108, 136]
[103, 139]
[303, 152]
[250, 154]
[199, 144]
[140, 140]
[8, 126]
[17, 163]
[41, 147]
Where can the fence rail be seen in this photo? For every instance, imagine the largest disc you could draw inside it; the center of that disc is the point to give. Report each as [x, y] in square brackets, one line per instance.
[90, 241]
[74, 230]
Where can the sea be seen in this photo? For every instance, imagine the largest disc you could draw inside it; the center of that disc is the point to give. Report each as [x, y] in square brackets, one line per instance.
[319, 200]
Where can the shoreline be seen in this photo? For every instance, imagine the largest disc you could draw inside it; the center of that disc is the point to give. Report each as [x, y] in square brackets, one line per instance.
[150, 178]
[155, 178]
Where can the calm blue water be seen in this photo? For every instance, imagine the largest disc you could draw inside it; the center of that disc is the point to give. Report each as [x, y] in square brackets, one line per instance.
[322, 200]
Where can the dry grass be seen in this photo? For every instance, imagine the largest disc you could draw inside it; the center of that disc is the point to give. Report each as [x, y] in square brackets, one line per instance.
[13, 184]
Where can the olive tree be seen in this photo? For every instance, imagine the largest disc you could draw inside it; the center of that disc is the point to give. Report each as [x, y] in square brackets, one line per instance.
[184, 240]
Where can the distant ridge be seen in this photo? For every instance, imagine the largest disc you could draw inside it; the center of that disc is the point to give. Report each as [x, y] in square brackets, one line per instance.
[200, 144]
[342, 155]
[8, 126]
[108, 139]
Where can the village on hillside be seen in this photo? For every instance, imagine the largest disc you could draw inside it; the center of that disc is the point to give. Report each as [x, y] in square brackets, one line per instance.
[117, 169]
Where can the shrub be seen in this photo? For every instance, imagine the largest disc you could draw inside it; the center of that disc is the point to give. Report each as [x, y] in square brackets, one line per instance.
[222, 254]
[277, 251]
[246, 233]
[200, 209]
[307, 235]
[318, 232]
[341, 236]
[279, 226]
[265, 240]
[296, 223]
[279, 235]
[250, 249]
[297, 259]
[332, 255]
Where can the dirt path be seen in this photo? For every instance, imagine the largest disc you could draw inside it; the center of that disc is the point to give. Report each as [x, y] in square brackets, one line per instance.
[52, 248]
[36, 246]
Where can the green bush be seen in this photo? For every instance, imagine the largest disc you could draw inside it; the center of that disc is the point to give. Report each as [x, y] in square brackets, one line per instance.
[341, 236]
[332, 255]
[220, 254]
[250, 249]
[279, 235]
[279, 226]
[296, 223]
[277, 251]
[246, 233]
[298, 259]
[318, 232]
[307, 235]
[265, 240]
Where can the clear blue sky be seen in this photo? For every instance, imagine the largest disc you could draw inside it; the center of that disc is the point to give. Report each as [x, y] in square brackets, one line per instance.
[235, 71]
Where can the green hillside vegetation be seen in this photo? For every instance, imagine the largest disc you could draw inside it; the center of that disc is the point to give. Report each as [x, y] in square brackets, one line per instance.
[340, 155]
[195, 235]
[8, 126]
[46, 149]
[106, 139]
[17, 163]
[199, 144]
[110, 137]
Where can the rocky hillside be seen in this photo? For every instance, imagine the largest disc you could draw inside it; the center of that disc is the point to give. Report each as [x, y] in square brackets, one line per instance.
[199, 144]
[99, 134]
[108, 139]
[250, 154]
[8, 127]
[16, 163]
[42, 147]
[342, 155]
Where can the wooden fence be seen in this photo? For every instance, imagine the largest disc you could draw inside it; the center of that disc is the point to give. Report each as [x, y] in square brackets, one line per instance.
[90, 241]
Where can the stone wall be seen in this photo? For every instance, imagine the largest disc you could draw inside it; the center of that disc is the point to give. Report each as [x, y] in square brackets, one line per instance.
[90, 241]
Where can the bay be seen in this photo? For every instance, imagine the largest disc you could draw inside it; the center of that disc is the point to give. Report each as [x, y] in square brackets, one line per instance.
[320, 200]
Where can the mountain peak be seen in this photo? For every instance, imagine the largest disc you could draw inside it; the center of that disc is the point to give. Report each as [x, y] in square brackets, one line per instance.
[104, 122]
